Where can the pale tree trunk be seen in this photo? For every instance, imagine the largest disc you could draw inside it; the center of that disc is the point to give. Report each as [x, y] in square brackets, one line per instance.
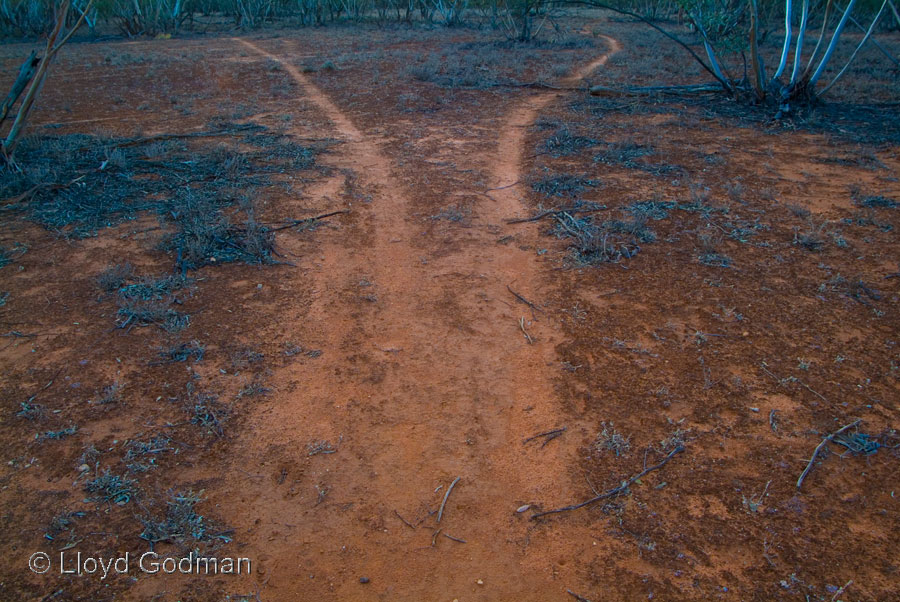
[9, 144]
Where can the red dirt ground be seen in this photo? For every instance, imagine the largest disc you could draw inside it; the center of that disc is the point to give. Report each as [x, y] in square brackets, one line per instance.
[426, 372]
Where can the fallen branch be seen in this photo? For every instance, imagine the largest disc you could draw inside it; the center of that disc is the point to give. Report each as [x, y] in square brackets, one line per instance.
[525, 301]
[448, 536]
[589, 208]
[576, 596]
[446, 496]
[300, 222]
[647, 90]
[615, 491]
[551, 435]
[819, 448]
[528, 337]
[841, 590]
[534, 84]
[37, 188]
[404, 521]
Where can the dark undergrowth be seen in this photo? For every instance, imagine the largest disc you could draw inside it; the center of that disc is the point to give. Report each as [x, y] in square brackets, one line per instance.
[201, 193]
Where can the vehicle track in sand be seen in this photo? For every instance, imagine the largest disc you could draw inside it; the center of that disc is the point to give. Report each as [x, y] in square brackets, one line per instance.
[425, 376]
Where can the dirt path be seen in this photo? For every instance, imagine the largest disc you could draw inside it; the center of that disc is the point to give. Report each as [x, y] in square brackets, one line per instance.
[426, 377]
[507, 169]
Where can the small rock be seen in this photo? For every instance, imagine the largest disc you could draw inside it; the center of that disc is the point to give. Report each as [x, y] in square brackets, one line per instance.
[480, 582]
[522, 509]
[363, 579]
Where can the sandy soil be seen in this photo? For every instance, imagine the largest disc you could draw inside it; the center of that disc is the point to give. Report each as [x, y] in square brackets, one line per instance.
[433, 371]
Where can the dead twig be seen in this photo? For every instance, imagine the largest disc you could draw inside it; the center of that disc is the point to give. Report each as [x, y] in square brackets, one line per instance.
[841, 590]
[556, 211]
[649, 90]
[772, 421]
[447, 495]
[34, 189]
[448, 536]
[550, 436]
[615, 491]
[434, 537]
[525, 301]
[781, 382]
[299, 222]
[528, 337]
[819, 449]
[404, 521]
[576, 596]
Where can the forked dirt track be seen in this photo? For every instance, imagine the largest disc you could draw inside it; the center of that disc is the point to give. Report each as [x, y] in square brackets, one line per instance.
[413, 395]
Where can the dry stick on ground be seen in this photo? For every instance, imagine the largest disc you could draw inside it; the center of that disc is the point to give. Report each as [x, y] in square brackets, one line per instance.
[405, 522]
[446, 495]
[841, 590]
[615, 491]
[556, 211]
[528, 337]
[649, 90]
[781, 381]
[298, 222]
[551, 434]
[448, 536]
[576, 596]
[819, 448]
[525, 301]
[534, 84]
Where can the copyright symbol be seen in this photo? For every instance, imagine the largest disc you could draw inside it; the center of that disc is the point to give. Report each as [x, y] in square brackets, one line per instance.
[39, 563]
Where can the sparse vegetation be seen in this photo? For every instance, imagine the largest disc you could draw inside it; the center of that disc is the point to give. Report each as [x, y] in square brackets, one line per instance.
[564, 142]
[564, 185]
[812, 238]
[110, 394]
[253, 389]
[111, 488]
[612, 440]
[58, 434]
[30, 411]
[181, 352]
[182, 525]
[207, 412]
[114, 278]
[141, 455]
